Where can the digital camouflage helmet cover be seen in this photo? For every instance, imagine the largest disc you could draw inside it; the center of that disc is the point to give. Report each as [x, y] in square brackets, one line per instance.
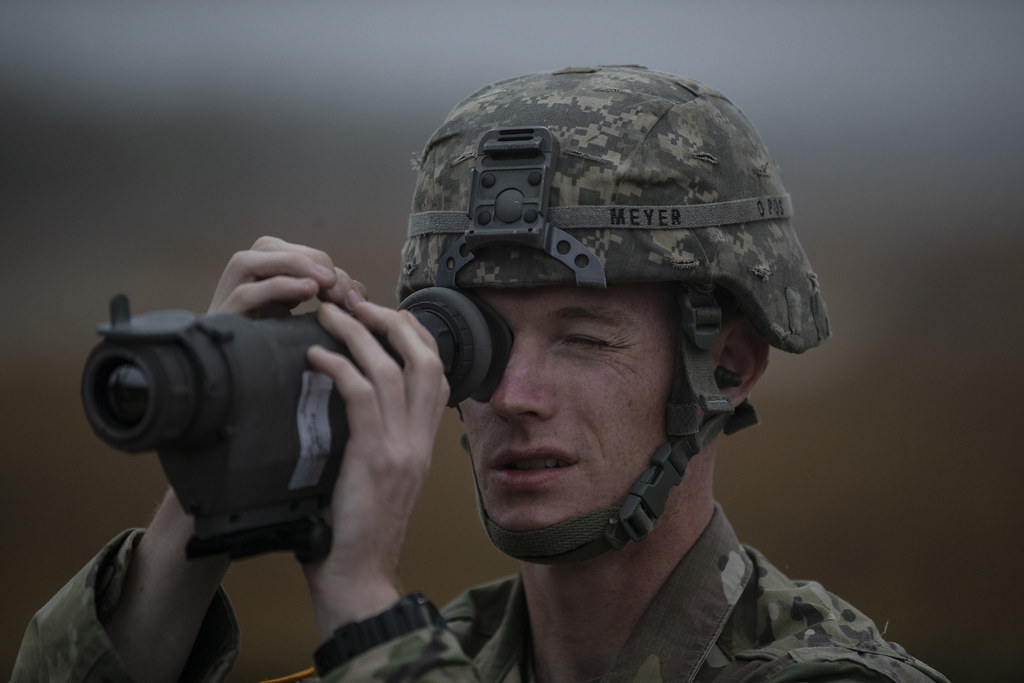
[606, 175]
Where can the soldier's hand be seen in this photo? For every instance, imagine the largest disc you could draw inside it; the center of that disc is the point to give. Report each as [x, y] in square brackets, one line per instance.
[273, 277]
[394, 410]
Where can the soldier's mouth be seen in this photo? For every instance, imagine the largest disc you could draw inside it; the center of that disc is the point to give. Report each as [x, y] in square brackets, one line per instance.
[536, 464]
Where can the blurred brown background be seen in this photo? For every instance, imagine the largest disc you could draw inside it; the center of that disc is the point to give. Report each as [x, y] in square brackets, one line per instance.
[140, 147]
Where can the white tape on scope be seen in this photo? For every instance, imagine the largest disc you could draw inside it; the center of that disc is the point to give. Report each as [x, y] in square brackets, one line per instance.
[314, 427]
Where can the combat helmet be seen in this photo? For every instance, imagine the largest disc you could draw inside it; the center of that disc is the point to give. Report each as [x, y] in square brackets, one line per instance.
[604, 175]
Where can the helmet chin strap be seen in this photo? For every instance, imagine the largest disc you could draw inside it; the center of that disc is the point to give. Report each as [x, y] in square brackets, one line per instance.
[695, 393]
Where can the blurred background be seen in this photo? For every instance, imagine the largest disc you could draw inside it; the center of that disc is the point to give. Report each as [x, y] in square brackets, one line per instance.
[141, 144]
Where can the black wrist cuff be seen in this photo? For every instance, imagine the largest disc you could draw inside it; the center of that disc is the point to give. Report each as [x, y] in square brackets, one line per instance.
[409, 614]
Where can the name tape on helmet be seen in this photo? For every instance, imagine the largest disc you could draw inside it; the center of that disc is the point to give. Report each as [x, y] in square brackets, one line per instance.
[659, 217]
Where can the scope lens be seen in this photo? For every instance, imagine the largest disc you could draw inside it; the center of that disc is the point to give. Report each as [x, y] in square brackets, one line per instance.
[127, 394]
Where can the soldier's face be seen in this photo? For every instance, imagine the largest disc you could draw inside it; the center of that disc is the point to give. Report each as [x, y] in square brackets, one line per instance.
[581, 405]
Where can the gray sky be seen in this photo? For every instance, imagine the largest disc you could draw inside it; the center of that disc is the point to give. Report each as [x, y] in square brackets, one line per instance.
[919, 100]
[158, 57]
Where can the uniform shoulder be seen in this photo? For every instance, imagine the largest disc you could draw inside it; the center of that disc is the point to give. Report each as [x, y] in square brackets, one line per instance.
[801, 622]
[476, 615]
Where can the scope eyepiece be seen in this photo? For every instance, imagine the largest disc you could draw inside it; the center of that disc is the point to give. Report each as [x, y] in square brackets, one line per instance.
[472, 339]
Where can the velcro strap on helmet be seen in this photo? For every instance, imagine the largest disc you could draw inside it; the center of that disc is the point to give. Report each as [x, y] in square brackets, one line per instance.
[654, 217]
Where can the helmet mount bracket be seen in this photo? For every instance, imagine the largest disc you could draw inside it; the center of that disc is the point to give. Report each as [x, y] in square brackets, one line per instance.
[508, 204]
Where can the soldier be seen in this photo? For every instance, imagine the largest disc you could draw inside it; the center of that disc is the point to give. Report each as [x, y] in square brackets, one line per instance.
[630, 230]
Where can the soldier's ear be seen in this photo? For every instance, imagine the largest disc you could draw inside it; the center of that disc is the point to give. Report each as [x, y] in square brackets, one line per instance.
[740, 356]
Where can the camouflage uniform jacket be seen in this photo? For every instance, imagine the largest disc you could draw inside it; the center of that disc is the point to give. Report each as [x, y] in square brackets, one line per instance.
[725, 614]
[66, 641]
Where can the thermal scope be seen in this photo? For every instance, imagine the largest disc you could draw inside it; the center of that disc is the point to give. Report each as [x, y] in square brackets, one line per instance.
[249, 436]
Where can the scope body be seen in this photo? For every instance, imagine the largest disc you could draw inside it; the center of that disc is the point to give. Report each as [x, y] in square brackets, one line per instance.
[248, 435]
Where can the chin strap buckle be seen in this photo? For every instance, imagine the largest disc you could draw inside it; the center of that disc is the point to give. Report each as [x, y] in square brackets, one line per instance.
[646, 500]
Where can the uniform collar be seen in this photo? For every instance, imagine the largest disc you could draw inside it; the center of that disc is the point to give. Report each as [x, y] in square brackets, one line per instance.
[684, 620]
[675, 634]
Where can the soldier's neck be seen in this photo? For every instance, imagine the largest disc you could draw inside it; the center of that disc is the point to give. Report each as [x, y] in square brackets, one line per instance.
[582, 614]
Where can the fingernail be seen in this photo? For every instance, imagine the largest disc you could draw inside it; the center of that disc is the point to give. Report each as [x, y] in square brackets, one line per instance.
[353, 297]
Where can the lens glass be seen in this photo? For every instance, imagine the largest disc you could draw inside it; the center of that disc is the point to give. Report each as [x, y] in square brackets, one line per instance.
[127, 394]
